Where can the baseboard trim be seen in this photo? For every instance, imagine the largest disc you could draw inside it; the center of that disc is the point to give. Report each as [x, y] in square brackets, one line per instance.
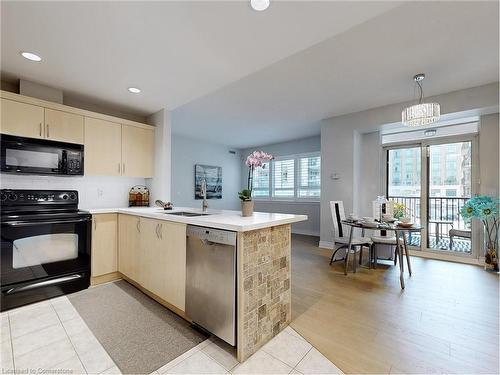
[446, 257]
[305, 232]
[158, 299]
[106, 278]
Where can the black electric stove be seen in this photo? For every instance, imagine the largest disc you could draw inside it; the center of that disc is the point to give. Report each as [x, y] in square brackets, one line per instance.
[45, 245]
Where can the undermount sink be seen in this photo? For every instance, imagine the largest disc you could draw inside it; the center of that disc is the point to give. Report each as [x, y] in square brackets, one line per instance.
[186, 213]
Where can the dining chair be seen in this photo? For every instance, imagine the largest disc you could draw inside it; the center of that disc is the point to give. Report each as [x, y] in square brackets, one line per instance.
[382, 239]
[341, 237]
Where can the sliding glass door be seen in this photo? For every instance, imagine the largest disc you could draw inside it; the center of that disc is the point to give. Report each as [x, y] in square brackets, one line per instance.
[449, 187]
[404, 183]
[433, 179]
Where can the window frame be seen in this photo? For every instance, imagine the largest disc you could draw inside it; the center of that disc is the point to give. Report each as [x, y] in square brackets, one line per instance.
[296, 161]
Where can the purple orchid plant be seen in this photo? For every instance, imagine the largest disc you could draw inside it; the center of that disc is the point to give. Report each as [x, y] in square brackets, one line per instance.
[254, 160]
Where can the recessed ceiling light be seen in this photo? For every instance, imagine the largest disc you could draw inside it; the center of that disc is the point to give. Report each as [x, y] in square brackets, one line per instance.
[134, 90]
[259, 5]
[31, 56]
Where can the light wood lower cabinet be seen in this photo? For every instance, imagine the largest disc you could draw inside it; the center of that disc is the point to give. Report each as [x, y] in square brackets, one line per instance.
[129, 242]
[153, 254]
[104, 244]
[21, 119]
[164, 260]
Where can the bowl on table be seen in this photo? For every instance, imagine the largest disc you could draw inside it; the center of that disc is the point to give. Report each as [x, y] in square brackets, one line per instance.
[369, 220]
[405, 225]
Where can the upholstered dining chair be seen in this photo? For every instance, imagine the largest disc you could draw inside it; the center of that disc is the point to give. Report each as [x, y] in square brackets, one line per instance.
[382, 239]
[341, 237]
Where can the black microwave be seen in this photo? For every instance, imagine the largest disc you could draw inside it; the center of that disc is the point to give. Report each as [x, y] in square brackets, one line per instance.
[40, 156]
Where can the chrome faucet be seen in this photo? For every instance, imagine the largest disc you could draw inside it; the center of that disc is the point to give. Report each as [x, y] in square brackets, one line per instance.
[204, 204]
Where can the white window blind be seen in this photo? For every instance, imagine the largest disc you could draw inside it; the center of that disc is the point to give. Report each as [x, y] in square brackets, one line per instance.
[284, 178]
[309, 177]
[261, 181]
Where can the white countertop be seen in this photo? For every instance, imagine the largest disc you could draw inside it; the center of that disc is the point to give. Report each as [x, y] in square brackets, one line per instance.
[220, 219]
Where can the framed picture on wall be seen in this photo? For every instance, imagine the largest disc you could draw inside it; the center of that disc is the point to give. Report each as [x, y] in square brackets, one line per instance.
[213, 177]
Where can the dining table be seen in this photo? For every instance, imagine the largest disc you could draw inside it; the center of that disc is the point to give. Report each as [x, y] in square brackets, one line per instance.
[400, 231]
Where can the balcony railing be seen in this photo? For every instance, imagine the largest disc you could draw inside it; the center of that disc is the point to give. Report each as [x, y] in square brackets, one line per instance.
[443, 215]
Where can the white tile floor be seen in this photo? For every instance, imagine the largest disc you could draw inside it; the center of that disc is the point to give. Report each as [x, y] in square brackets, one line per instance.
[51, 335]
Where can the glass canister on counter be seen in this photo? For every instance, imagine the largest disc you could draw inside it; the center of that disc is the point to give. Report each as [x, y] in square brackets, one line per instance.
[138, 196]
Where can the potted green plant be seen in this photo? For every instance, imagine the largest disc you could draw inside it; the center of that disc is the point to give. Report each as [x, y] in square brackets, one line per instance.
[485, 209]
[254, 160]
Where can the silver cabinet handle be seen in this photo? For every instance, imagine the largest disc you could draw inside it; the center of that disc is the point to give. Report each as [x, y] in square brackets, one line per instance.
[156, 230]
[95, 225]
[41, 129]
[47, 131]
[119, 168]
[138, 225]
[160, 226]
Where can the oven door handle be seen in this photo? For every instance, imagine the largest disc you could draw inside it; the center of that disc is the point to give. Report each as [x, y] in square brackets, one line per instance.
[41, 284]
[30, 223]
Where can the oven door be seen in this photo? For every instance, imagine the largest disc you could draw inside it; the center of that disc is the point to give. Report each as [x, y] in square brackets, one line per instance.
[33, 251]
[39, 156]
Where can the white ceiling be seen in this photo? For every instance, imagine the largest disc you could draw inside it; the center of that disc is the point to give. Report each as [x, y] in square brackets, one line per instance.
[370, 65]
[251, 78]
[174, 51]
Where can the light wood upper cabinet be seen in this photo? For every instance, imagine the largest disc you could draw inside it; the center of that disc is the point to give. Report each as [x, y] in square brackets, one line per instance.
[24, 120]
[129, 246]
[63, 126]
[104, 244]
[103, 153]
[137, 151]
[113, 146]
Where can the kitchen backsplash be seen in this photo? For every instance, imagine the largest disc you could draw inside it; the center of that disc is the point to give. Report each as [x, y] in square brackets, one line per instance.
[94, 191]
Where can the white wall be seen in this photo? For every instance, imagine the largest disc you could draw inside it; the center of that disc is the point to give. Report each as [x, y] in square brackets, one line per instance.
[488, 155]
[160, 184]
[93, 191]
[186, 152]
[312, 210]
[343, 151]
[371, 170]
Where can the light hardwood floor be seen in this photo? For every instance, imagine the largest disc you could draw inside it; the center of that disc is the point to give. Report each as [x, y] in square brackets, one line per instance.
[445, 321]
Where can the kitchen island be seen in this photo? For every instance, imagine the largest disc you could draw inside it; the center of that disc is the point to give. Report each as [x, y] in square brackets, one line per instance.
[263, 264]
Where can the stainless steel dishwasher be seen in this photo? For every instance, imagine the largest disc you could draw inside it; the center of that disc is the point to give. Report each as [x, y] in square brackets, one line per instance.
[211, 280]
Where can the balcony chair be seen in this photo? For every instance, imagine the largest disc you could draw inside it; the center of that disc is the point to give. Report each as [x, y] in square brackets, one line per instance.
[341, 237]
[464, 233]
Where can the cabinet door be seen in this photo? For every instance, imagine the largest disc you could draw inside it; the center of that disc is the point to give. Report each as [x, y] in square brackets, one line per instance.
[103, 153]
[104, 244]
[24, 120]
[137, 151]
[63, 126]
[150, 260]
[129, 250]
[173, 245]
[163, 262]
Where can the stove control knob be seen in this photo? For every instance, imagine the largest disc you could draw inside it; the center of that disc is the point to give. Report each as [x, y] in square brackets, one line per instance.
[12, 197]
[72, 196]
[3, 197]
[65, 196]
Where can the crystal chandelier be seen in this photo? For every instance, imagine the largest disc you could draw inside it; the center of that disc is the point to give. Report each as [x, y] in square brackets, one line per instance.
[422, 113]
